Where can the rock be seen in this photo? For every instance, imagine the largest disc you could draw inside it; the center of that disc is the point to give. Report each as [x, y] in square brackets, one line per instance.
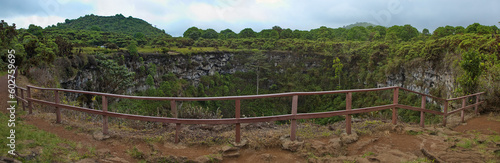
[202, 159]
[398, 129]
[241, 144]
[117, 159]
[100, 136]
[103, 152]
[394, 155]
[430, 156]
[229, 151]
[267, 157]
[348, 139]
[9, 160]
[293, 146]
[86, 160]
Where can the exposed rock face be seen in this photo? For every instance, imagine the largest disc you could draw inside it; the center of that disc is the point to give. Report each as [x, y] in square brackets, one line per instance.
[427, 78]
[190, 67]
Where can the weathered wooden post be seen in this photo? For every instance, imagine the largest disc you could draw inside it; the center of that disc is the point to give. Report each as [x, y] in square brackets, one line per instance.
[293, 126]
[30, 105]
[22, 100]
[238, 125]
[348, 105]
[173, 108]
[58, 110]
[463, 109]
[477, 102]
[395, 101]
[445, 111]
[422, 114]
[104, 117]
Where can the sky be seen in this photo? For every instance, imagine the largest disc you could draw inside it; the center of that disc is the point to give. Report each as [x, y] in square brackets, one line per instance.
[176, 16]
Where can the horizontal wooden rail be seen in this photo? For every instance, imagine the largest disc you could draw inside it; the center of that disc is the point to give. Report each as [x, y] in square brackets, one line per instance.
[237, 120]
[216, 98]
[466, 107]
[434, 97]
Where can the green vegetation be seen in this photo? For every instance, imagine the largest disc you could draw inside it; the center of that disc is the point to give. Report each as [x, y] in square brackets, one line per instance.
[135, 153]
[115, 24]
[29, 138]
[357, 56]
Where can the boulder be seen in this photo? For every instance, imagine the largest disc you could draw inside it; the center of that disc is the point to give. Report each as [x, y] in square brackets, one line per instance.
[348, 139]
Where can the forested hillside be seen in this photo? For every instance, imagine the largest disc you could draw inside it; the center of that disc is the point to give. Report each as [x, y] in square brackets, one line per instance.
[332, 58]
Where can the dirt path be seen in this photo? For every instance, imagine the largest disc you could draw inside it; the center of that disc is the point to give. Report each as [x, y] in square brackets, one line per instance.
[387, 146]
[484, 124]
[115, 148]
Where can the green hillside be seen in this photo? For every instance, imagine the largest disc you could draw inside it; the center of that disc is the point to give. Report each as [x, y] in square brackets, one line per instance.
[357, 24]
[116, 24]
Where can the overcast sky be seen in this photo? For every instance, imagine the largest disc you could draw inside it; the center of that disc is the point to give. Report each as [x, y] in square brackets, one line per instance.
[175, 16]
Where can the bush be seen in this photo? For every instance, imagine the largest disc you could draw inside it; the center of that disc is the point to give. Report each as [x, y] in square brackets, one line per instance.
[198, 112]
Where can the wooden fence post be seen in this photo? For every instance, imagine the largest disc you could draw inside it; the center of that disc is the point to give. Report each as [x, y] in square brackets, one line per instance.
[395, 101]
[16, 94]
[58, 110]
[348, 105]
[105, 117]
[477, 101]
[463, 109]
[293, 126]
[422, 114]
[173, 107]
[30, 107]
[445, 111]
[22, 101]
[238, 125]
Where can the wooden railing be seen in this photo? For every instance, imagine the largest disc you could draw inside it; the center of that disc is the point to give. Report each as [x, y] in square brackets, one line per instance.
[294, 116]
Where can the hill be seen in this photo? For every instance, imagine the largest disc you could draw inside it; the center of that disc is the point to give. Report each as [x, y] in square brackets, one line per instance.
[362, 24]
[116, 24]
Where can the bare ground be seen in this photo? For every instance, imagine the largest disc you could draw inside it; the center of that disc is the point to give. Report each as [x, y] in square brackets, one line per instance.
[474, 141]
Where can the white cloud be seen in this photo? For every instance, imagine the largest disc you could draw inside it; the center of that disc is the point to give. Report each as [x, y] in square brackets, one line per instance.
[43, 21]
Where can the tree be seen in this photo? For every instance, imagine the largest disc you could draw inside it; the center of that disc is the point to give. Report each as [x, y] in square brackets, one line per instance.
[193, 33]
[150, 81]
[471, 64]
[210, 34]
[227, 33]
[132, 48]
[269, 33]
[358, 33]
[111, 45]
[247, 33]
[287, 33]
[337, 65]
[114, 78]
[65, 47]
[258, 62]
[484, 30]
[35, 30]
[459, 30]
[139, 35]
[425, 32]
[277, 29]
[408, 32]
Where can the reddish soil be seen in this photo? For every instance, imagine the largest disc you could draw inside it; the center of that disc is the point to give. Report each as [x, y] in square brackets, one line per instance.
[483, 124]
[118, 146]
[376, 143]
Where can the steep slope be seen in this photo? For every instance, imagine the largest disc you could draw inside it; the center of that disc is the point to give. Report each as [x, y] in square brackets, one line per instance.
[117, 24]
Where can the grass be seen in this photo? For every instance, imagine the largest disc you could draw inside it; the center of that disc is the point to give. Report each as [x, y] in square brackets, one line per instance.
[2, 73]
[367, 154]
[466, 143]
[28, 138]
[411, 132]
[135, 153]
[420, 160]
